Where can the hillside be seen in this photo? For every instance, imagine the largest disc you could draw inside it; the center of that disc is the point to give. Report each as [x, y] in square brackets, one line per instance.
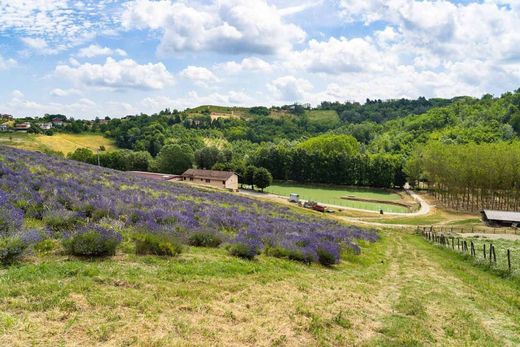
[59, 142]
[386, 288]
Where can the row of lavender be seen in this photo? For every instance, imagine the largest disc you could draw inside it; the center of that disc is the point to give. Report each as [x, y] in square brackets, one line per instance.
[68, 196]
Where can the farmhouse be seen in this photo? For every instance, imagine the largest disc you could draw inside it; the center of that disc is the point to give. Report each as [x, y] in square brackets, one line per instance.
[3, 128]
[58, 122]
[504, 218]
[220, 179]
[22, 126]
[45, 126]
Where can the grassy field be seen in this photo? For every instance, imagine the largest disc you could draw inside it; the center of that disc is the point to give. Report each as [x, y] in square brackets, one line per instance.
[323, 117]
[401, 291]
[64, 143]
[332, 195]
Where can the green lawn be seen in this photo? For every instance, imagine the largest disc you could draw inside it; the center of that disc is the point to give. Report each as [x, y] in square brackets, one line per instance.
[332, 195]
[401, 291]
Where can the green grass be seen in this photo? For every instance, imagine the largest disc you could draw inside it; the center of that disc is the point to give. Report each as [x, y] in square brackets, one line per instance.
[328, 118]
[401, 291]
[60, 142]
[501, 247]
[332, 195]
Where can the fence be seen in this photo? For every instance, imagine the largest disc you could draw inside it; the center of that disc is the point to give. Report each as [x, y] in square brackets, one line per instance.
[482, 251]
[465, 230]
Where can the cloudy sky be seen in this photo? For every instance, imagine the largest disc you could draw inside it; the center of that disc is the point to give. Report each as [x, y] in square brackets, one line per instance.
[113, 57]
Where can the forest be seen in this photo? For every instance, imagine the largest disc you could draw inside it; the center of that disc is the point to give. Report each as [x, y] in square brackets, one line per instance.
[451, 145]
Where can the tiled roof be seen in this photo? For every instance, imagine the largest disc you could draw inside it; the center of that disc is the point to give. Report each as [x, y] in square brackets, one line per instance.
[208, 174]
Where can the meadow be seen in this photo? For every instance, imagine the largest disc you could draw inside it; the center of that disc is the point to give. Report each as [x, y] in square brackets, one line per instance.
[382, 288]
[60, 142]
[400, 291]
[332, 195]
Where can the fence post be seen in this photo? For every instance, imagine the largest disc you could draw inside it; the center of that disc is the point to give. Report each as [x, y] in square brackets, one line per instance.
[484, 249]
[453, 242]
[490, 252]
[472, 249]
[458, 244]
[494, 256]
[509, 260]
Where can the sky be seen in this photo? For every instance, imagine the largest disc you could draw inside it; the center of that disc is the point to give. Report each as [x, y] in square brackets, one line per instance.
[91, 59]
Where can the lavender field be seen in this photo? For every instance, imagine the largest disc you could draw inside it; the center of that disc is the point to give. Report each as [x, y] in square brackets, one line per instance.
[45, 198]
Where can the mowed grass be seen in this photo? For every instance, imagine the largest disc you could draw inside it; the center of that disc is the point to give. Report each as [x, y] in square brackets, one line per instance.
[60, 142]
[332, 195]
[401, 291]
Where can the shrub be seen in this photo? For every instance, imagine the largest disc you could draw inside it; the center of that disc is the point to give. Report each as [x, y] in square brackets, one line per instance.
[204, 239]
[46, 246]
[301, 255]
[11, 249]
[156, 244]
[328, 253]
[61, 220]
[92, 241]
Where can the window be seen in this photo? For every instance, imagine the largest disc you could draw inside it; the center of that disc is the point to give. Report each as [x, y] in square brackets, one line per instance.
[224, 182]
[191, 178]
[208, 181]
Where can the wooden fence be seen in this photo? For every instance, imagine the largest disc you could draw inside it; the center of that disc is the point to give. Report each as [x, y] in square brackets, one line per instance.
[487, 253]
[453, 229]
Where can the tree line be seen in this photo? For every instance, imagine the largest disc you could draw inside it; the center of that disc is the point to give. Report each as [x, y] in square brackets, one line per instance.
[470, 177]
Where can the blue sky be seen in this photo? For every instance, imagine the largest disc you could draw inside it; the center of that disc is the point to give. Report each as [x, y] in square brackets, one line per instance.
[95, 58]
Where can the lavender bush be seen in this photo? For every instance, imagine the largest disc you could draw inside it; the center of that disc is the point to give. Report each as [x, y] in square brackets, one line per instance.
[66, 195]
[92, 241]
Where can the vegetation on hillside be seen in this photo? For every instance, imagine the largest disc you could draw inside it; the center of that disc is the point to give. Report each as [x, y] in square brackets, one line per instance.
[91, 210]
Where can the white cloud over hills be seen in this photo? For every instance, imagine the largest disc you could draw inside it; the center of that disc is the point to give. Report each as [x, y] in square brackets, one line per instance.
[128, 53]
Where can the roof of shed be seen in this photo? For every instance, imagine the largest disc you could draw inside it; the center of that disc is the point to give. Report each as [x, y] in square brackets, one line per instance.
[211, 174]
[506, 216]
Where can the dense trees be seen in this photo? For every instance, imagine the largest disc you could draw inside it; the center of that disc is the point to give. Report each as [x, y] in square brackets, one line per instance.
[378, 143]
[124, 160]
[262, 178]
[175, 159]
[471, 176]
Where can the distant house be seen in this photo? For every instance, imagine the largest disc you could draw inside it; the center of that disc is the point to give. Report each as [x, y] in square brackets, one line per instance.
[45, 126]
[220, 179]
[501, 218]
[58, 122]
[22, 126]
[3, 128]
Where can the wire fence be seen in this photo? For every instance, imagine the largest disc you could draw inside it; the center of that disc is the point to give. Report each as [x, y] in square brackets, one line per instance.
[452, 229]
[502, 255]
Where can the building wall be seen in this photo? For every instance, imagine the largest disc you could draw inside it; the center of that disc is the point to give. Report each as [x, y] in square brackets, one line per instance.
[232, 182]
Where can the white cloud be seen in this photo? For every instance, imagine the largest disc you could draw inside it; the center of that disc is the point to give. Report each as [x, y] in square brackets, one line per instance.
[247, 64]
[60, 23]
[342, 56]
[6, 63]
[39, 45]
[58, 92]
[198, 74]
[157, 103]
[290, 88]
[122, 74]
[16, 94]
[96, 50]
[226, 26]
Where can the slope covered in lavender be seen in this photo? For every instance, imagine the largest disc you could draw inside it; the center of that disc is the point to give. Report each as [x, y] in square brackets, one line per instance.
[63, 197]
